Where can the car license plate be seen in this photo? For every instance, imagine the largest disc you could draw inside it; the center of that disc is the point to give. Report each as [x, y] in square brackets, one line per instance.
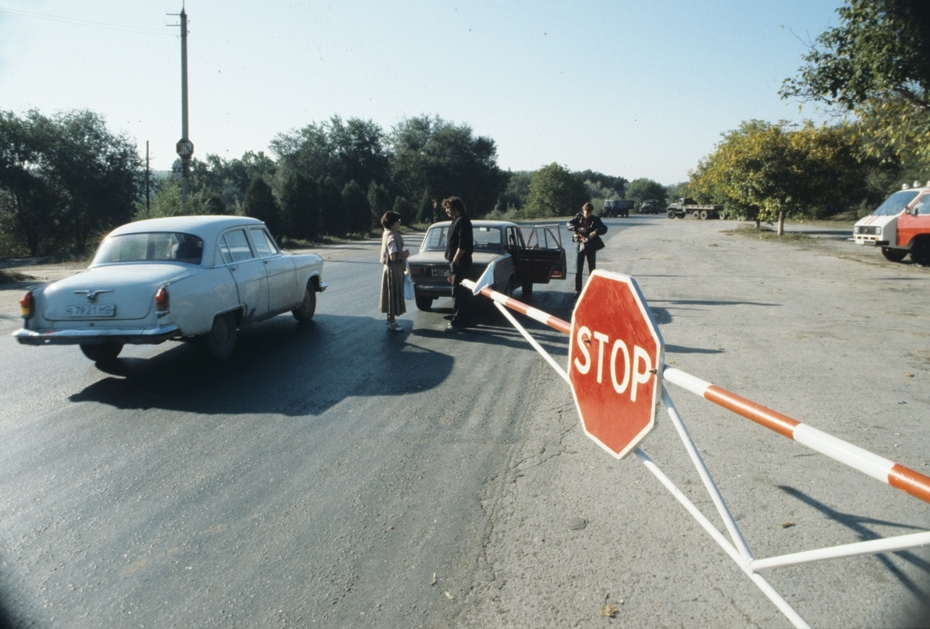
[92, 310]
[441, 272]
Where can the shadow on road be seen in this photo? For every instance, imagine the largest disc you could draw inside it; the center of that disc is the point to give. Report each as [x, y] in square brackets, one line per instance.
[858, 525]
[279, 366]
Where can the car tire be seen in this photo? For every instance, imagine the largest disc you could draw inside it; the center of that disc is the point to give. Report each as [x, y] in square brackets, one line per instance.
[305, 311]
[893, 255]
[670, 214]
[102, 353]
[424, 303]
[920, 251]
[527, 289]
[220, 341]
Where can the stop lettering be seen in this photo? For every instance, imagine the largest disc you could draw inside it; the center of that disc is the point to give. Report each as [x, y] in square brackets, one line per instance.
[614, 362]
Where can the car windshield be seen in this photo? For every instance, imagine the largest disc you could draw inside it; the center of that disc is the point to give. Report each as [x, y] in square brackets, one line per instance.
[895, 203]
[150, 247]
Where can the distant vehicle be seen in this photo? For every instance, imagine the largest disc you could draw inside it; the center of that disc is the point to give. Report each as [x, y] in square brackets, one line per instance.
[687, 206]
[651, 206]
[617, 207]
[900, 225]
[518, 260]
[185, 277]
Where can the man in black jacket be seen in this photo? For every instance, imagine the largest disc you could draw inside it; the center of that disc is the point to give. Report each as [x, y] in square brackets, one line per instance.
[588, 230]
[459, 247]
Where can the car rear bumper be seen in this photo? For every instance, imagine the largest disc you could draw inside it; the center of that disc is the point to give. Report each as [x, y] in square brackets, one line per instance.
[433, 290]
[140, 336]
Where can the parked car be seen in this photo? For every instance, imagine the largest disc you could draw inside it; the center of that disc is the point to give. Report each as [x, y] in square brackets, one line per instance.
[185, 277]
[517, 260]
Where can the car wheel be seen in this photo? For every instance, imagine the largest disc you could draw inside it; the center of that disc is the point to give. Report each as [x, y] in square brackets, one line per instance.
[102, 353]
[893, 255]
[920, 252]
[220, 341]
[424, 303]
[527, 289]
[304, 312]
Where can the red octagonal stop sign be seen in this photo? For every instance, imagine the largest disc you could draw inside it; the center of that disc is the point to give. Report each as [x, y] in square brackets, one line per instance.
[614, 362]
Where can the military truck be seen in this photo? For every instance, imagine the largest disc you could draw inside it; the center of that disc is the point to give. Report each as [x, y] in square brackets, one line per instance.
[617, 207]
[651, 206]
[689, 207]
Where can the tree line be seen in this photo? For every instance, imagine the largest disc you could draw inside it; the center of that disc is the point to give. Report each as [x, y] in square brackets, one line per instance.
[65, 181]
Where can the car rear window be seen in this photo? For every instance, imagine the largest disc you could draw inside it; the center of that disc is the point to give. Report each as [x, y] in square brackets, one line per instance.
[150, 247]
[435, 239]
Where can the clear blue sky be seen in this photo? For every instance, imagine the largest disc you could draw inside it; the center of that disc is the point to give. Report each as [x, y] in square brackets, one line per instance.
[624, 87]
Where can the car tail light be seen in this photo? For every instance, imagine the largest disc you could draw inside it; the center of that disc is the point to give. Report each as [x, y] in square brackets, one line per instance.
[161, 300]
[27, 305]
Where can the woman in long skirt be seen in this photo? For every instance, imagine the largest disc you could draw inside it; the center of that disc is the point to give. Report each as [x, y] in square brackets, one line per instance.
[393, 257]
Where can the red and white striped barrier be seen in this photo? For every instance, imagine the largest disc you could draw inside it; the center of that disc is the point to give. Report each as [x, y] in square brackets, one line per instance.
[880, 468]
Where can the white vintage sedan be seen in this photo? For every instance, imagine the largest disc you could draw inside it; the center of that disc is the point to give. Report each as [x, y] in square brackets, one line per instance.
[185, 277]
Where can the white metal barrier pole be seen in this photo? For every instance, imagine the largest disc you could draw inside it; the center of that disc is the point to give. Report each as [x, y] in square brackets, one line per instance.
[723, 542]
[871, 547]
[532, 341]
[709, 484]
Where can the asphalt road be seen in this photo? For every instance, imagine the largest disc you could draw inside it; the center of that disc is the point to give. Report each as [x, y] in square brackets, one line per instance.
[339, 476]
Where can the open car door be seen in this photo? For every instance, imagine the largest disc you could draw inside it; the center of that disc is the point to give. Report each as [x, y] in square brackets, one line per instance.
[541, 258]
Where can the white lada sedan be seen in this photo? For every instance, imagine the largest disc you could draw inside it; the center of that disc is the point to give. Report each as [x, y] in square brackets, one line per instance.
[520, 257]
[183, 277]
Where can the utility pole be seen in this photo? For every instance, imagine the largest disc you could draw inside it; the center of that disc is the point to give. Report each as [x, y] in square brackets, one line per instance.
[148, 174]
[185, 148]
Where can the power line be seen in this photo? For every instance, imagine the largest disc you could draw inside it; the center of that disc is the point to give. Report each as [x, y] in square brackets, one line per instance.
[86, 23]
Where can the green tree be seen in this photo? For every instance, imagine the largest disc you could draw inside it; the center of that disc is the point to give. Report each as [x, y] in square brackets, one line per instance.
[338, 151]
[605, 186]
[260, 203]
[641, 189]
[435, 155]
[333, 219]
[379, 202]
[65, 179]
[773, 171]
[166, 201]
[425, 208]
[554, 192]
[403, 207]
[875, 65]
[357, 210]
[515, 194]
[230, 179]
[299, 200]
